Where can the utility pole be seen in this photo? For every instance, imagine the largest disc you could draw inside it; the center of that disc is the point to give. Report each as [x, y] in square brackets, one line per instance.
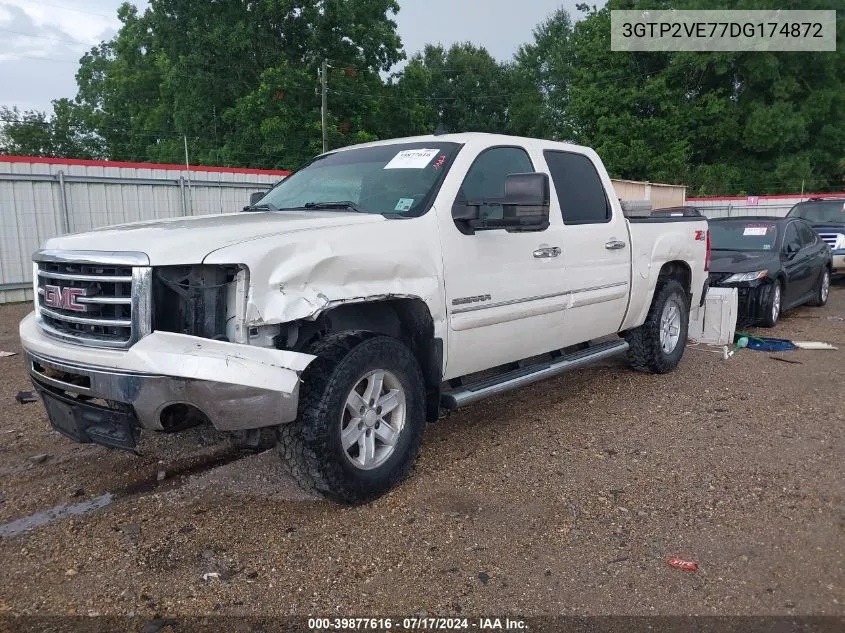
[324, 84]
[188, 173]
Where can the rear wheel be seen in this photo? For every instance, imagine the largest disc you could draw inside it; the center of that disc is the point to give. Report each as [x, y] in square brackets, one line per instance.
[657, 346]
[822, 289]
[773, 305]
[361, 418]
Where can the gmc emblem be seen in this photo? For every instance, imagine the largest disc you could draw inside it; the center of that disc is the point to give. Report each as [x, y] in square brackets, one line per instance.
[64, 298]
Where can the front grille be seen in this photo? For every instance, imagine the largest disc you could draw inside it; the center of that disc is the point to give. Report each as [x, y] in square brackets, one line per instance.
[103, 302]
[829, 238]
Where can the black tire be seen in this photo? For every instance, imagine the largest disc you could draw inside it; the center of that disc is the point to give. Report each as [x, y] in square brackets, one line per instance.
[311, 446]
[645, 352]
[822, 291]
[770, 313]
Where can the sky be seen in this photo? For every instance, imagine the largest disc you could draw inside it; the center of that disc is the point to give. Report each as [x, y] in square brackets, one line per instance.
[41, 42]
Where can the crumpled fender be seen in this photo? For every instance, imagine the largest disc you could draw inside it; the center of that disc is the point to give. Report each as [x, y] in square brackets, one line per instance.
[300, 275]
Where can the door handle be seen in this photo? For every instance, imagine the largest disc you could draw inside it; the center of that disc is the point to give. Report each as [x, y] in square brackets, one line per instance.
[614, 245]
[544, 253]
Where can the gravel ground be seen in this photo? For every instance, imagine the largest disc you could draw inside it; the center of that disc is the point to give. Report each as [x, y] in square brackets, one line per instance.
[563, 498]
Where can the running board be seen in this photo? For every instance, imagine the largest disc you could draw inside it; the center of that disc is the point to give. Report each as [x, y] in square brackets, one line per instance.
[473, 392]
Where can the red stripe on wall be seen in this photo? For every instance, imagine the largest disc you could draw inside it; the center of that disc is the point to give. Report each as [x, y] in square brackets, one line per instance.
[109, 163]
[777, 197]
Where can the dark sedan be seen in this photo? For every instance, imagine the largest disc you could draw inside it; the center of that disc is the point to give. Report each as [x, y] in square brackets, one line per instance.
[775, 263]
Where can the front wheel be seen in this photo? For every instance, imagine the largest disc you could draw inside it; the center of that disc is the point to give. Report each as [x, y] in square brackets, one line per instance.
[361, 418]
[822, 291]
[772, 307]
[657, 346]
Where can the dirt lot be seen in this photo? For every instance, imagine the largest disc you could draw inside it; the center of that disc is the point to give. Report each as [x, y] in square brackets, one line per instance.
[564, 498]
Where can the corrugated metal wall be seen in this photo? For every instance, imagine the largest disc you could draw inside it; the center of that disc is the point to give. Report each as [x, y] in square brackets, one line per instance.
[755, 205]
[43, 198]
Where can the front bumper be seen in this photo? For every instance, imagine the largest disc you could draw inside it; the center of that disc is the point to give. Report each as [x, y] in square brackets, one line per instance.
[838, 262]
[752, 301]
[234, 386]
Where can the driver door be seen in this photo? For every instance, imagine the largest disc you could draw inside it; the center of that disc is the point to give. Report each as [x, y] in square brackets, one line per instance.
[505, 290]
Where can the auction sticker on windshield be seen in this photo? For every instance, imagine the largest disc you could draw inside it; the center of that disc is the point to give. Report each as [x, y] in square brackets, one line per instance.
[755, 230]
[412, 159]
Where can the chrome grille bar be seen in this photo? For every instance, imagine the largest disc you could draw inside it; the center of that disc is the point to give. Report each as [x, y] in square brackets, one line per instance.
[98, 299]
[74, 277]
[86, 321]
[830, 238]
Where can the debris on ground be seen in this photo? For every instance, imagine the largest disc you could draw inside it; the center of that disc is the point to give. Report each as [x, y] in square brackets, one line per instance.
[484, 577]
[25, 397]
[815, 345]
[212, 575]
[683, 563]
[7, 354]
[786, 360]
[40, 458]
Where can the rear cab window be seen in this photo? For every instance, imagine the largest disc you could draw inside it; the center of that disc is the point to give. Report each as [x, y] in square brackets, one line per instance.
[579, 188]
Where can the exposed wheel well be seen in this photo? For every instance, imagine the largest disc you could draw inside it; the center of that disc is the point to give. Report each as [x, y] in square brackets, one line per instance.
[408, 320]
[678, 271]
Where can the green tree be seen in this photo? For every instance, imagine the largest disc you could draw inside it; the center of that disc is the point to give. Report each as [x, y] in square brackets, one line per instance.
[546, 65]
[462, 89]
[237, 79]
[718, 122]
[34, 133]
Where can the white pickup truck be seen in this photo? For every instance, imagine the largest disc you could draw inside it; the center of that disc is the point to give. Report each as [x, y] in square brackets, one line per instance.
[359, 298]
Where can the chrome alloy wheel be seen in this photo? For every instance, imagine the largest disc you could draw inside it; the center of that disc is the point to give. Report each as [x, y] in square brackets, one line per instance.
[670, 326]
[373, 419]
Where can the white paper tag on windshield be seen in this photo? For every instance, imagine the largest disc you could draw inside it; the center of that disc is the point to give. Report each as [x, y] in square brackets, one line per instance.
[755, 230]
[412, 159]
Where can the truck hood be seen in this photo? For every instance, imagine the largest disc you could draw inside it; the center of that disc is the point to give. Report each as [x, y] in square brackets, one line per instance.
[187, 240]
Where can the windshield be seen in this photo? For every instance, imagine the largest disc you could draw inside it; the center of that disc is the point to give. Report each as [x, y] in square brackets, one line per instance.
[827, 212]
[399, 179]
[743, 236]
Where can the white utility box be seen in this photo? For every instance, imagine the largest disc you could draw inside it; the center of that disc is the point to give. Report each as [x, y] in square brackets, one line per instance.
[715, 322]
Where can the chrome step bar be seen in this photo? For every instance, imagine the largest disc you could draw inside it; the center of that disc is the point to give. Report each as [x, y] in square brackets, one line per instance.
[473, 392]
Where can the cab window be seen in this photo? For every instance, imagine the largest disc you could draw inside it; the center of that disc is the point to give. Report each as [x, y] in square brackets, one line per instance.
[486, 177]
[790, 237]
[807, 234]
[579, 188]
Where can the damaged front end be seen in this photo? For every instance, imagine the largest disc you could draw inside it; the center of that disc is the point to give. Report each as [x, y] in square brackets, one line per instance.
[752, 298]
[207, 301]
[191, 364]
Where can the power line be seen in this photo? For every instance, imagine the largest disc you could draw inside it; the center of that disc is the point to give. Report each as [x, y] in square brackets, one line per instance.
[58, 6]
[46, 37]
[11, 56]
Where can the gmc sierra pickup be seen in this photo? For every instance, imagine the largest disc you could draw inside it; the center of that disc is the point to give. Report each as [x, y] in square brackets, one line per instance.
[357, 299]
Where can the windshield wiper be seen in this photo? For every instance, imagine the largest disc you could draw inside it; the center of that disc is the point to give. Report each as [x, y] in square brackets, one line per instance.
[340, 204]
[261, 207]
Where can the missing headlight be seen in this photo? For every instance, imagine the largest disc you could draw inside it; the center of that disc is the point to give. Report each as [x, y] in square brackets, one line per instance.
[192, 300]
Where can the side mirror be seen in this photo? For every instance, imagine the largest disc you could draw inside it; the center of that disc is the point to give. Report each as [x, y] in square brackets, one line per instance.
[256, 196]
[525, 206]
